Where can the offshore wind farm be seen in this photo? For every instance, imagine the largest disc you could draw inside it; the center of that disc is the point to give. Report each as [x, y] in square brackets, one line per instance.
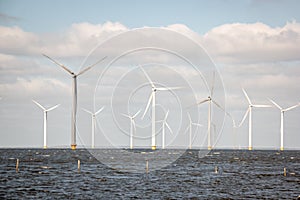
[167, 99]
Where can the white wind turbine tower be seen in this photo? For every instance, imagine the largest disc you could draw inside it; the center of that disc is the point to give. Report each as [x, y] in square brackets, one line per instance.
[210, 101]
[282, 110]
[93, 123]
[249, 111]
[132, 126]
[45, 119]
[190, 128]
[164, 125]
[152, 98]
[74, 90]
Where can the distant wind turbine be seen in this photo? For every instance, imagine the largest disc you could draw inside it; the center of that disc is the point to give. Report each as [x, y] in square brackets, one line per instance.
[190, 128]
[93, 123]
[164, 125]
[152, 98]
[234, 127]
[74, 89]
[45, 119]
[132, 126]
[210, 101]
[282, 110]
[249, 111]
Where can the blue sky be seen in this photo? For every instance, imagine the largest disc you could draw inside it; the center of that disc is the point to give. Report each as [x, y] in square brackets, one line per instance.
[200, 16]
[254, 44]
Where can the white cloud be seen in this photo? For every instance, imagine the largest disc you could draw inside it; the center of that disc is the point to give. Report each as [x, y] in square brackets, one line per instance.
[79, 39]
[254, 42]
[14, 40]
[34, 87]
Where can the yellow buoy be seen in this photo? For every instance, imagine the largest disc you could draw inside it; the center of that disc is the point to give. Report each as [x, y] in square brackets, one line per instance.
[73, 146]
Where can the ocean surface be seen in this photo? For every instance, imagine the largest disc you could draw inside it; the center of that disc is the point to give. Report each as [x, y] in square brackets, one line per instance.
[221, 174]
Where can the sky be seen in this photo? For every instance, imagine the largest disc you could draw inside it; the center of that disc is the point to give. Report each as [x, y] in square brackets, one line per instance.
[253, 44]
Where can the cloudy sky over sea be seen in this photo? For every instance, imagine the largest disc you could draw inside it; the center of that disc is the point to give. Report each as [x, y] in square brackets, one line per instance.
[254, 45]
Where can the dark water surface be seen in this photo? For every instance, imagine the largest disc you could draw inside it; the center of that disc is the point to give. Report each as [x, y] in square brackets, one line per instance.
[53, 174]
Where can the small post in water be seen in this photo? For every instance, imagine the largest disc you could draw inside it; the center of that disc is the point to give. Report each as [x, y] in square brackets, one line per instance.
[216, 169]
[284, 171]
[147, 166]
[17, 165]
[78, 165]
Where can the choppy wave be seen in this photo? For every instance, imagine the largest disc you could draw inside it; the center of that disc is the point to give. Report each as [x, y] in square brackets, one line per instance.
[53, 174]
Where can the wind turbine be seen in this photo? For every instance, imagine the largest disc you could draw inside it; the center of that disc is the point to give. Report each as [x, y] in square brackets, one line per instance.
[74, 90]
[132, 126]
[152, 99]
[282, 110]
[164, 125]
[249, 111]
[45, 119]
[210, 101]
[93, 123]
[234, 127]
[190, 126]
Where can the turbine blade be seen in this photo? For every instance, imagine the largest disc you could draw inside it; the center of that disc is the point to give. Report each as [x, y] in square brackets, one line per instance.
[84, 70]
[187, 128]
[126, 115]
[196, 124]
[99, 111]
[262, 106]
[203, 101]
[89, 67]
[53, 107]
[148, 104]
[213, 85]
[218, 105]
[273, 102]
[292, 107]
[189, 116]
[166, 116]
[39, 105]
[133, 124]
[61, 65]
[87, 111]
[168, 88]
[247, 97]
[136, 113]
[167, 125]
[244, 117]
[233, 121]
[149, 79]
